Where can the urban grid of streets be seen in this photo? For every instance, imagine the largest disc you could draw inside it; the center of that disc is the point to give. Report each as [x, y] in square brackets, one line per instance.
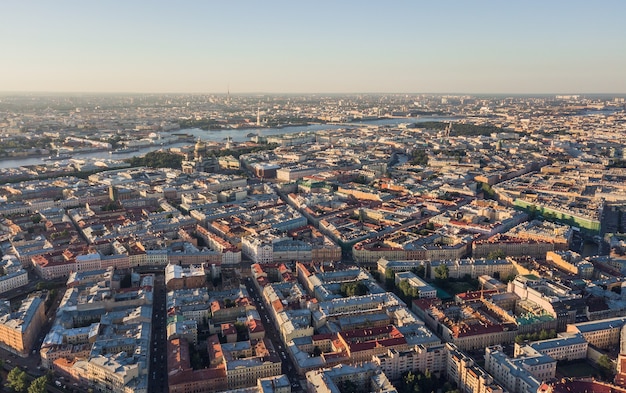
[564, 154]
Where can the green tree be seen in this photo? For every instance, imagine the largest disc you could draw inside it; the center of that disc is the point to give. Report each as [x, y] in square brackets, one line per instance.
[408, 292]
[487, 190]
[389, 279]
[16, 380]
[409, 380]
[442, 272]
[158, 159]
[38, 385]
[317, 351]
[607, 367]
[349, 289]
[419, 271]
[497, 254]
[419, 157]
[510, 278]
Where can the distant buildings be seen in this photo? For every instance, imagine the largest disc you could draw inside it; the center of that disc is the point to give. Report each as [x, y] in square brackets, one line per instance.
[411, 200]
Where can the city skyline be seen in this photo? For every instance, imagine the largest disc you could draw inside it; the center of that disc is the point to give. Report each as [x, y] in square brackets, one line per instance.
[281, 47]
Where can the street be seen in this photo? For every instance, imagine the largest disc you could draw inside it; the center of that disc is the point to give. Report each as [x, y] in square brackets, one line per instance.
[272, 334]
[157, 377]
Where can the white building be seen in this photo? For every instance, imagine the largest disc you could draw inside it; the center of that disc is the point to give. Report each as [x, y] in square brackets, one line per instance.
[12, 274]
[571, 347]
[425, 290]
[257, 249]
[519, 375]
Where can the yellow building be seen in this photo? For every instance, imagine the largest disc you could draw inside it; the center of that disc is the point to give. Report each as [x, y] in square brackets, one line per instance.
[19, 329]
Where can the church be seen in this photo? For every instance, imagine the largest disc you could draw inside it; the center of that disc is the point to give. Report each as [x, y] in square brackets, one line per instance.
[203, 160]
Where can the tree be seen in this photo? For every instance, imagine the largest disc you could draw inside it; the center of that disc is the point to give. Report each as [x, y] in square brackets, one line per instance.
[126, 281]
[417, 382]
[510, 278]
[409, 379]
[497, 254]
[158, 159]
[242, 331]
[487, 190]
[38, 385]
[607, 367]
[419, 271]
[442, 272]
[419, 157]
[389, 279]
[349, 289]
[16, 380]
[409, 292]
[317, 351]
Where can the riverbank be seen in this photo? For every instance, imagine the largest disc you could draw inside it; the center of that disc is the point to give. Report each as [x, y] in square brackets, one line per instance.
[233, 135]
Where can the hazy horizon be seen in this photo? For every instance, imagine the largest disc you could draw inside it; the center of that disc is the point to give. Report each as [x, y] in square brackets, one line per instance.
[281, 47]
[287, 93]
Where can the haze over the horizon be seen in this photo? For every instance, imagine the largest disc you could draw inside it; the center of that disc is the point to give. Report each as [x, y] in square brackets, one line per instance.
[312, 47]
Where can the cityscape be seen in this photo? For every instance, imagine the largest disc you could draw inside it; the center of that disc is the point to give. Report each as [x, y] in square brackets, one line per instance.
[332, 197]
[185, 243]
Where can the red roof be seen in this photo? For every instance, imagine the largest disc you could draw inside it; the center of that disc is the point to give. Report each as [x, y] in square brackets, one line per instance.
[584, 387]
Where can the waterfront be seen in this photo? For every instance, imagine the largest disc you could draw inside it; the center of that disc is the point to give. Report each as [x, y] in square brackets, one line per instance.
[235, 135]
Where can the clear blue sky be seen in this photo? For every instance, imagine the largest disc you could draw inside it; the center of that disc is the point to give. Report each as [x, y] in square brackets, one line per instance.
[313, 46]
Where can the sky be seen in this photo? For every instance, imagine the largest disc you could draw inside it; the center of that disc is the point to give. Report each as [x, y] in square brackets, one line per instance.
[338, 46]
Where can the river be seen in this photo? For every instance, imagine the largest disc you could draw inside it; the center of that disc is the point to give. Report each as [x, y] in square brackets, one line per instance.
[236, 135]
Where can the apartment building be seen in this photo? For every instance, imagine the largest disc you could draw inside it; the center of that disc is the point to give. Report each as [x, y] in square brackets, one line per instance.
[604, 333]
[367, 377]
[12, 275]
[564, 347]
[396, 362]
[519, 375]
[424, 289]
[19, 330]
[179, 277]
[469, 377]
